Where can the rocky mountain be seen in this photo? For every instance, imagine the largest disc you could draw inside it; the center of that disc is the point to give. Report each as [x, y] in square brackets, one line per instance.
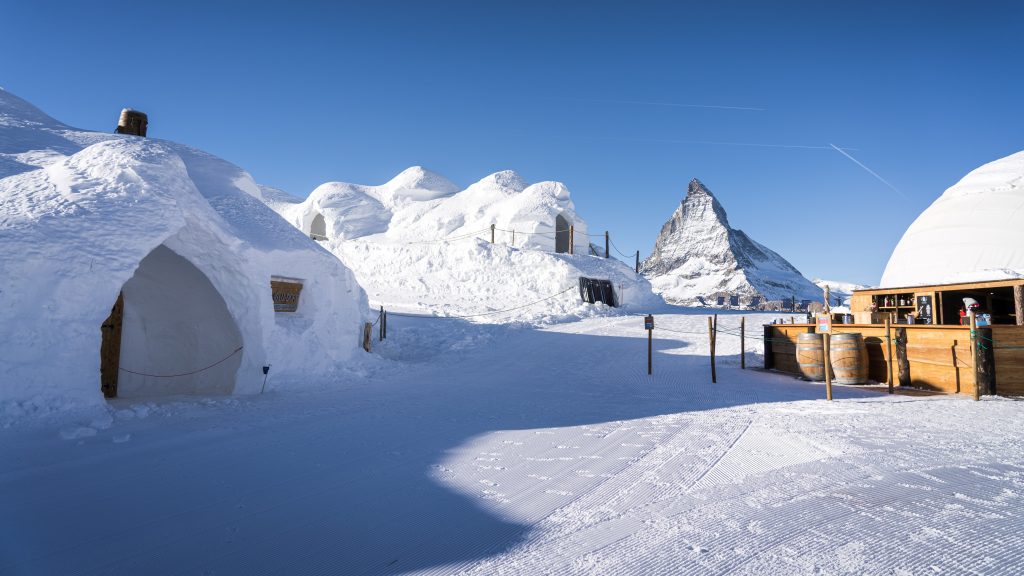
[698, 256]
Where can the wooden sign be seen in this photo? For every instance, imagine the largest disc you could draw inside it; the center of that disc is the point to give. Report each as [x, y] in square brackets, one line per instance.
[286, 294]
[649, 322]
[824, 323]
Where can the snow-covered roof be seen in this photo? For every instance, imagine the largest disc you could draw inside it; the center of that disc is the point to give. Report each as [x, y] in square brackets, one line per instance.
[973, 232]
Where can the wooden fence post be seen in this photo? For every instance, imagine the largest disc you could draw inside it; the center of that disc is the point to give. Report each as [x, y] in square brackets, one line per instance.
[743, 342]
[888, 352]
[385, 321]
[637, 261]
[711, 337]
[572, 239]
[492, 233]
[513, 238]
[828, 366]
[380, 329]
[367, 335]
[605, 243]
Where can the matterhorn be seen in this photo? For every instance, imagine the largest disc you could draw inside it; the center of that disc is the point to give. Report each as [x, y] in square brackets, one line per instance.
[698, 258]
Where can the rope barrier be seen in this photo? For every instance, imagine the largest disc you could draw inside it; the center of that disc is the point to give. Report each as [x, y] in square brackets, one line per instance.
[237, 350]
[485, 313]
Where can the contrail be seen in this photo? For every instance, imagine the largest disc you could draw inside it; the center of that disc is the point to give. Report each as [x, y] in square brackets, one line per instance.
[717, 143]
[870, 171]
[670, 104]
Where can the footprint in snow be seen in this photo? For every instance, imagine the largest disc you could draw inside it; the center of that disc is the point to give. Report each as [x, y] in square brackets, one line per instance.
[490, 483]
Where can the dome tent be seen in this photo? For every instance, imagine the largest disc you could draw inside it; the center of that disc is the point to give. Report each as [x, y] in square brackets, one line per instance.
[973, 232]
[88, 220]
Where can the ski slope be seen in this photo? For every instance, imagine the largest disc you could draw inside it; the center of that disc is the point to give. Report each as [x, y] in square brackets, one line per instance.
[468, 448]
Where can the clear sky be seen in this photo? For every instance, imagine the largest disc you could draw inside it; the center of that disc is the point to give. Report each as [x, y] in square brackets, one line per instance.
[625, 102]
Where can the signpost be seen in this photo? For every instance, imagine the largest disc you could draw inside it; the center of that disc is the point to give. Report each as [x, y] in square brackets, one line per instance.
[825, 328]
[649, 326]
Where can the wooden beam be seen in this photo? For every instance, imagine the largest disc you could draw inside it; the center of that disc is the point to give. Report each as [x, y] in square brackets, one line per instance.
[1018, 303]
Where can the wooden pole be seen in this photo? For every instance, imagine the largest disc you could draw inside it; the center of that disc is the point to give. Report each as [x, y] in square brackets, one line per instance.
[828, 367]
[367, 335]
[572, 239]
[380, 328]
[888, 352]
[974, 351]
[711, 337]
[605, 243]
[492, 233]
[650, 363]
[513, 238]
[637, 261]
[1018, 303]
[385, 321]
[743, 342]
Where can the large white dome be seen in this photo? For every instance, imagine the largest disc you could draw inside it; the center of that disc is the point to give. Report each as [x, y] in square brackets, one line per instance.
[973, 232]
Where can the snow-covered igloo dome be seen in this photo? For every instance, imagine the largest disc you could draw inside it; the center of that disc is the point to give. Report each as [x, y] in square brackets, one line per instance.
[973, 232]
[154, 262]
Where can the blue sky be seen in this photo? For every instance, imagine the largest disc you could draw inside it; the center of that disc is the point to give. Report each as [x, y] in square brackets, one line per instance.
[624, 102]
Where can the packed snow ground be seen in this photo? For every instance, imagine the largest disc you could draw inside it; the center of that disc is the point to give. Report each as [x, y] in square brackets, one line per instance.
[492, 449]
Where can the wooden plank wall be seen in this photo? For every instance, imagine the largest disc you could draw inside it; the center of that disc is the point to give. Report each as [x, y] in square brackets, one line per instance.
[784, 346]
[939, 356]
[1009, 353]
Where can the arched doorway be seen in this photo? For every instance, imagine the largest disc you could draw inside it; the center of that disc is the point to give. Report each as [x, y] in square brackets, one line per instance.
[318, 229]
[561, 234]
[170, 332]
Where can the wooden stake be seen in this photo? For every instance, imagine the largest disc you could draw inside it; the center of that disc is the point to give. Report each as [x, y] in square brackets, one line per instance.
[492, 233]
[888, 353]
[650, 363]
[367, 335]
[513, 238]
[637, 261]
[711, 337]
[380, 329]
[743, 342]
[385, 321]
[572, 239]
[828, 367]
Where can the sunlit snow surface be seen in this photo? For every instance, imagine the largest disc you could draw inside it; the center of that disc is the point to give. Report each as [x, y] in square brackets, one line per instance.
[487, 449]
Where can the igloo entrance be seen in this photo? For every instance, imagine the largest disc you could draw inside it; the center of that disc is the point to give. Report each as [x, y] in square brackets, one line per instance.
[318, 229]
[561, 234]
[170, 332]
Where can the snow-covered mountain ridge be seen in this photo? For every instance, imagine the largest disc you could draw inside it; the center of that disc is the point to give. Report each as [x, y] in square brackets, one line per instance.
[698, 255]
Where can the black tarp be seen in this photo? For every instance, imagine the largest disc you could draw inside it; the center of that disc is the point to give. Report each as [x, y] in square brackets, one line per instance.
[596, 290]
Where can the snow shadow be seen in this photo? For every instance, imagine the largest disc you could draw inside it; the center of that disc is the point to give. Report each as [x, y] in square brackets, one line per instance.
[376, 477]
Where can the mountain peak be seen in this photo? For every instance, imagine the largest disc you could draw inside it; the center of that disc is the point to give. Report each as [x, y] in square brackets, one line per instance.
[697, 187]
[699, 255]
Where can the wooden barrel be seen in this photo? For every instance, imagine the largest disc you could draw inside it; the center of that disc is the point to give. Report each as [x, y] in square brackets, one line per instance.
[810, 356]
[849, 358]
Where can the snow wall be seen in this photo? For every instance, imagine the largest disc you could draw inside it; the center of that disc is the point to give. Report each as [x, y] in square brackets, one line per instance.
[86, 215]
[973, 232]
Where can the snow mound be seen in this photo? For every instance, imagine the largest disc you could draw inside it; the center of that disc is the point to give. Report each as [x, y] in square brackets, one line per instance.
[183, 235]
[429, 251]
[973, 232]
[698, 255]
